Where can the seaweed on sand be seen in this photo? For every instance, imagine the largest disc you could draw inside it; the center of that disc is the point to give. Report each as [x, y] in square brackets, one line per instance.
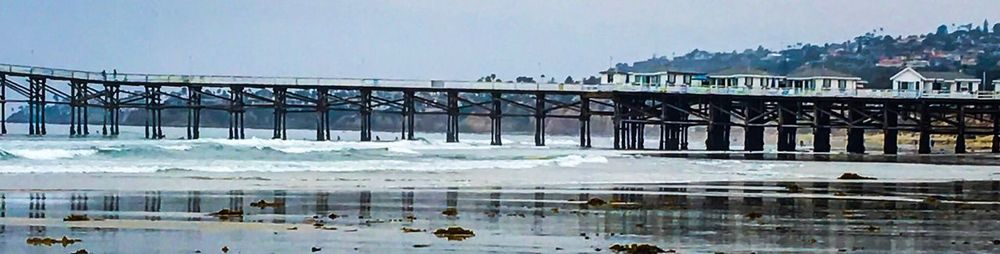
[264, 204]
[454, 233]
[226, 214]
[47, 241]
[76, 217]
[637, 248]
[412, 230]
[596, 202]
[854, 176]
[794, 188]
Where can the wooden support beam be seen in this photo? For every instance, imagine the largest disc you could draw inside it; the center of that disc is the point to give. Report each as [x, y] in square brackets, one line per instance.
[821, 126]
[995, 148]
[539, 119]
[855, 133]
[719, 124]
[890, 112]
[753, 137]
[409, 112]
[3, 104]
[366, 114]
[496, 119]
[453, 117]
[924, 144]
[584, 121]
[960, 135]
[787, 117]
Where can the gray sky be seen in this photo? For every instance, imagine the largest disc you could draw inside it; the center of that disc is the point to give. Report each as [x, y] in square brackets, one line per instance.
[434, 39]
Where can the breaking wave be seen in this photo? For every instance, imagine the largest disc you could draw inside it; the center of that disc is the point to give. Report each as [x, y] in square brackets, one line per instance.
[223, 155]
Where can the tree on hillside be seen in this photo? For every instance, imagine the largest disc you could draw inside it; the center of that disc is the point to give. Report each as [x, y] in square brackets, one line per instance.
[490, 78]
[942, 30]
[569, 80]
[523, 79]
[996, 28]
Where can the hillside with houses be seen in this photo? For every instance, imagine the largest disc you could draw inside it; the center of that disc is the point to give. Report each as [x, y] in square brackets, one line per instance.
[964, 51]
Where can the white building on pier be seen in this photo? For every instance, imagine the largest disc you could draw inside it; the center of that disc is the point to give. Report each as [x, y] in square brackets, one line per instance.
[745, 77]
[821, 78]
[909, 79]
[658, 76]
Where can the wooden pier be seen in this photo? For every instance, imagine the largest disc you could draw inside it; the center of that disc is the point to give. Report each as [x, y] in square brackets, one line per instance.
[670, 111]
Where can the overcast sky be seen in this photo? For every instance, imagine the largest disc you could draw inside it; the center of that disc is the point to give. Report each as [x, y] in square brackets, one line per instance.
[434, 39]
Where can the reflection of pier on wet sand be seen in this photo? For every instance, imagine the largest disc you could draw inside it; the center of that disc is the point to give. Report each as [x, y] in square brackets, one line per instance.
[696, 217]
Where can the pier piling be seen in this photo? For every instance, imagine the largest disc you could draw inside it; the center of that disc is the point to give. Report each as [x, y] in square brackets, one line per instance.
[856, 133]
[890, 122]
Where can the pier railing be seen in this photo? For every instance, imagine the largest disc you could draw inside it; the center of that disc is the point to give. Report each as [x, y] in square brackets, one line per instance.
[221, 80]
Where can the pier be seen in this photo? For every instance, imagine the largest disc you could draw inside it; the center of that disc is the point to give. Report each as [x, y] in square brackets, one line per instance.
[672, 111]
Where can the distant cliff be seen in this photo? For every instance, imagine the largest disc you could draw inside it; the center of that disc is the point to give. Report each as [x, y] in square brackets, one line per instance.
[873, 56]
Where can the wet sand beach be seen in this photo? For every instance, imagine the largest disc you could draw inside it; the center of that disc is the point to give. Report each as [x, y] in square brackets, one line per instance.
[697, 217]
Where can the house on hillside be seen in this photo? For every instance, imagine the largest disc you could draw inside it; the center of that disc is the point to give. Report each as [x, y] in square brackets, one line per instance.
[821, 78]
[745, 77]
[909, 79]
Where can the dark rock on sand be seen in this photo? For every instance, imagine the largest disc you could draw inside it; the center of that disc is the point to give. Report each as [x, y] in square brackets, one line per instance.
[454, 233]
[636, 248]
[932, 201]
[264, 204]
[412, 230]
[315, 249]
[81, 251]
[854, 176]
[333, 216]
[226, 213]
[225, 249]
[76, 217]
[794, 188]
[596, 202]
[625, 205]
[450, 212]
[754, 215]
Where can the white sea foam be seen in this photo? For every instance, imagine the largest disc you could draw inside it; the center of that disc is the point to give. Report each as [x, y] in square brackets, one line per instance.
[176, 147]
[420, 165]
[50, 154]
[304, 146]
